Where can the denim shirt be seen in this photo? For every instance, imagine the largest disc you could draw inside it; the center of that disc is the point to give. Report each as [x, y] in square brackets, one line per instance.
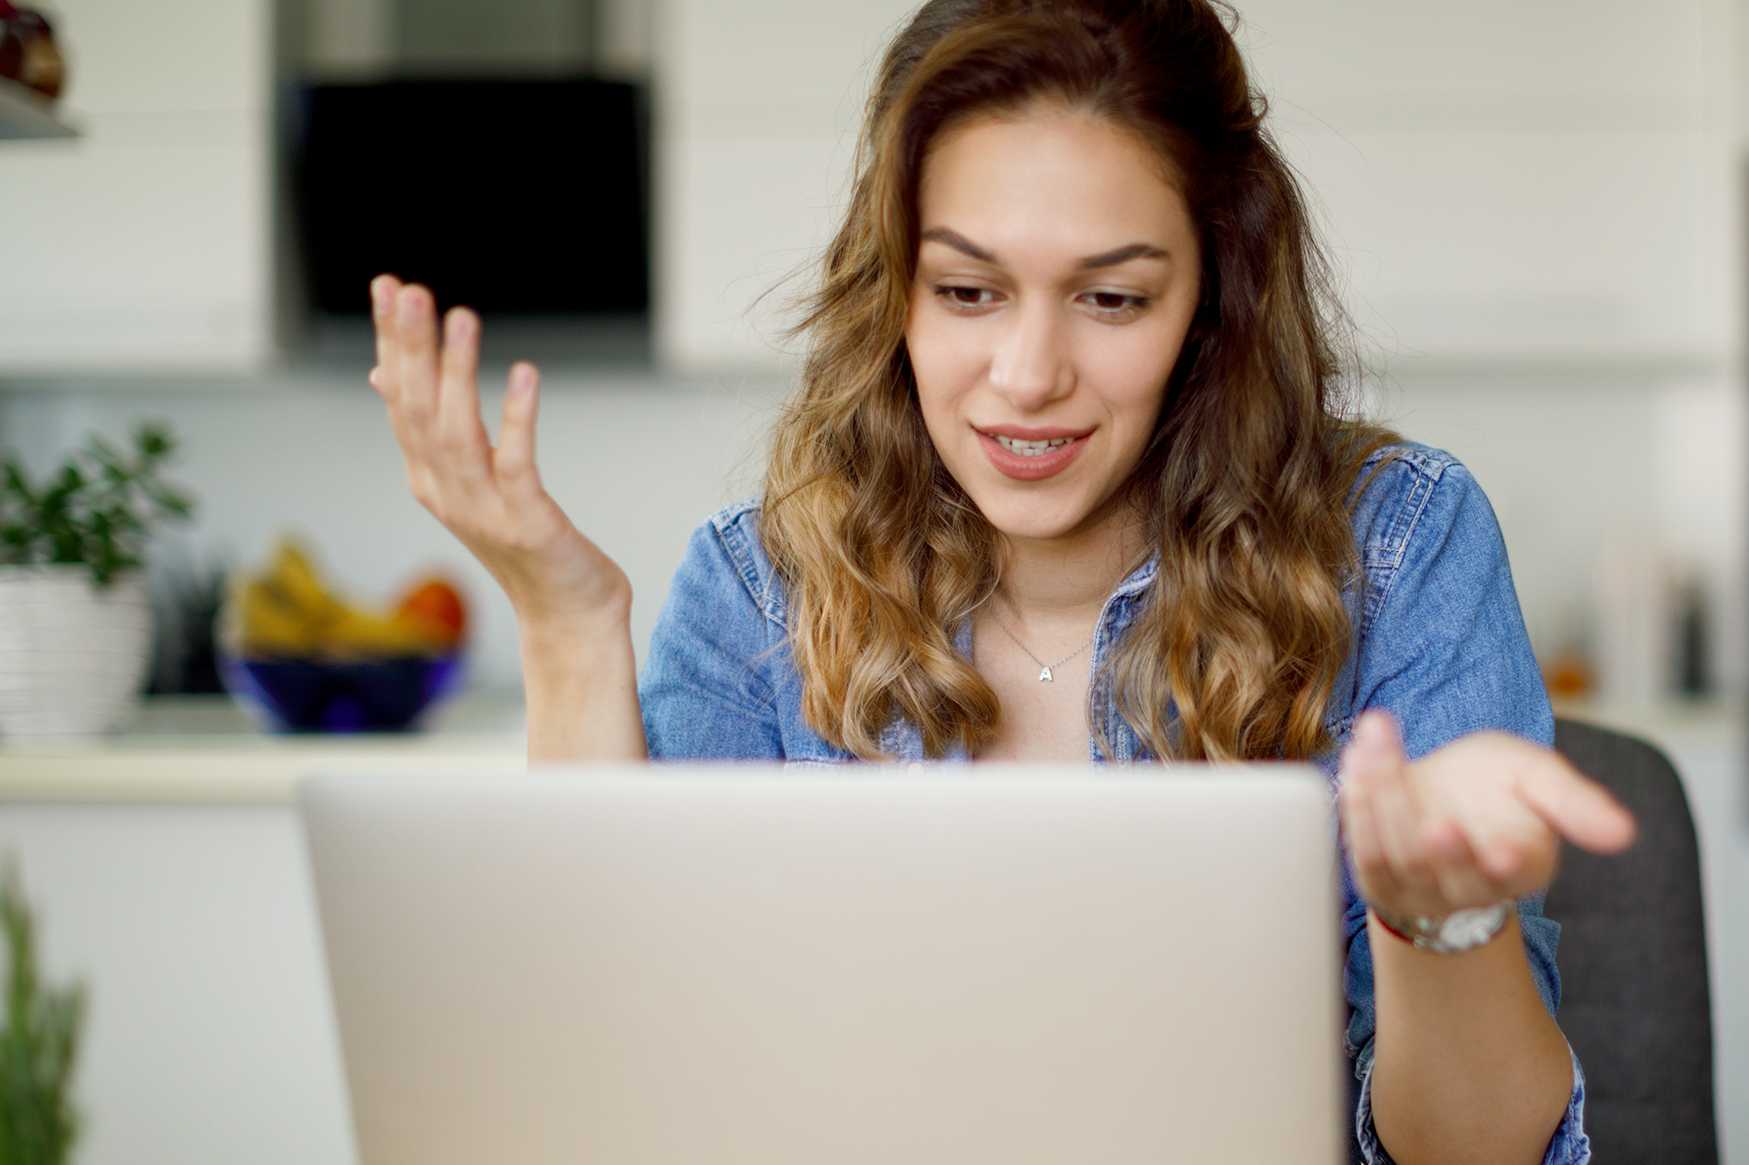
[1438, 639]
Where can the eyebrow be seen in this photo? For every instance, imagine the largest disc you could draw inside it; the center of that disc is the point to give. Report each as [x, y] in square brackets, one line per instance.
[1109, 258]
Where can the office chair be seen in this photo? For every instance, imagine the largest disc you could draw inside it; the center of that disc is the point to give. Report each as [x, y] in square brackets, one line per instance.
[1632, 955]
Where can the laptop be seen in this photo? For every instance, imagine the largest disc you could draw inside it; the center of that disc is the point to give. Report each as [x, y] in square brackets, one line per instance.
[683, 963]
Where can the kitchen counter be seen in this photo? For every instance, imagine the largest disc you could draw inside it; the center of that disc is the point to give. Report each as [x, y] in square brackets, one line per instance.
[209, 749]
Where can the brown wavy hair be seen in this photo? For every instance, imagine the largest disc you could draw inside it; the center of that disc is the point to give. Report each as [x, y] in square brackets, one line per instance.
[1245, 486]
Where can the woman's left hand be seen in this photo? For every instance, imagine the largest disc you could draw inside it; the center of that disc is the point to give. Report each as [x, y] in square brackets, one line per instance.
[1467, 825]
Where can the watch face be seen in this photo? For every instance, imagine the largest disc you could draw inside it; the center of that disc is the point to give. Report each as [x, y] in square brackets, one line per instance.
[1472, 927]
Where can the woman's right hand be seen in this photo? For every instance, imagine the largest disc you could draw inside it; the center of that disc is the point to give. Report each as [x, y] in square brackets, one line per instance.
[489, 498]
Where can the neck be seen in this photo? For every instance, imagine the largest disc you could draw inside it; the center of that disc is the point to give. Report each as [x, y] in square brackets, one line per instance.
[1067, 580]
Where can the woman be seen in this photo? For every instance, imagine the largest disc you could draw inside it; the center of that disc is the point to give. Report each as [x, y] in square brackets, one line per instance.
[1066, 477]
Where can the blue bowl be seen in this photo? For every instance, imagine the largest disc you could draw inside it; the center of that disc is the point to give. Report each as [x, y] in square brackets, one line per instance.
[389, 694]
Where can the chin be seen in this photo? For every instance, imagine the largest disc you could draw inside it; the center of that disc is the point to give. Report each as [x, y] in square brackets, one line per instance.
[1030, 514]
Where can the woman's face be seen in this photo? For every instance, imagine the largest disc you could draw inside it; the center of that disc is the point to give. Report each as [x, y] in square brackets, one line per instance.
[1057, 275]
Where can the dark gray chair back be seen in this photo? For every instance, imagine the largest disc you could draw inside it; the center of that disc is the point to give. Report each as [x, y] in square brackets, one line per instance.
[1632, 954]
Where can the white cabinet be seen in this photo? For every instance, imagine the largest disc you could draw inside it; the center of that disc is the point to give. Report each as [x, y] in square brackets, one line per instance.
[167, 867]
[756, 111]
[1500, 182]
[1518, 181]
[145, 244]
[209, 1037]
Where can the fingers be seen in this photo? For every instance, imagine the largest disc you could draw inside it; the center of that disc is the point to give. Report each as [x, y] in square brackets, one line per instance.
[459, 431]
[460, 363]
[415, 368]
[384, 290]
[1379, 751]
[1408, 857]
[431, 392]
[513, 462]
[1368, 770]
[1573, 805]
[1366, 851]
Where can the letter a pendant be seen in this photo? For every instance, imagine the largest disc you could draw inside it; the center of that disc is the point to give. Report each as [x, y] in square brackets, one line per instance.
[1044, 675]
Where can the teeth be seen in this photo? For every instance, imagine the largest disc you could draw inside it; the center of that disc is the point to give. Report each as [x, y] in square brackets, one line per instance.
[1031, 448]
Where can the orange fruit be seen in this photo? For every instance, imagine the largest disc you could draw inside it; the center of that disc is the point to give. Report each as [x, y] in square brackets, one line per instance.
[434, 601]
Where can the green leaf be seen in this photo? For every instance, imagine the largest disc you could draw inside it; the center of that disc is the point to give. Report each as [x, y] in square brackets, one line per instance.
[167, 499]
[38, 1046]
[123, 518]
[66, 547]
[108, 454]
[155, 441]
[16, 484]
[95, 513]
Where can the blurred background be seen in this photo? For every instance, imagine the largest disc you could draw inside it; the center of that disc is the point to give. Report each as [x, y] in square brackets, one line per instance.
[1537, 213]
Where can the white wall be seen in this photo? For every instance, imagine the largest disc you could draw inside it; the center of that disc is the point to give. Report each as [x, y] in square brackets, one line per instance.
[1501, 181]
[756, 109]
[1505, 179]
[145, 242]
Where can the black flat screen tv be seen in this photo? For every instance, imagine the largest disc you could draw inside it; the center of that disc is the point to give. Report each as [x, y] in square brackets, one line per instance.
[514, 196]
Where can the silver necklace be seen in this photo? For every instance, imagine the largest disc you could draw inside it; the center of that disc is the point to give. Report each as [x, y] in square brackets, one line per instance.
[1044, 669]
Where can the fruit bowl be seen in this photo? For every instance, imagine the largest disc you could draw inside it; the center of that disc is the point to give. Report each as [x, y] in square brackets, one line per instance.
[302, 657]
[388, 694]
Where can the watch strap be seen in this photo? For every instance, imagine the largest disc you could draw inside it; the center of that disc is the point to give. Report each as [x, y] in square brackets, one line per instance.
[1462, 930]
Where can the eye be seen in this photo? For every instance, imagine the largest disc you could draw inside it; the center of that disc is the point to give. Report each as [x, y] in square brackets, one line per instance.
[960, 297]
[1117, 304]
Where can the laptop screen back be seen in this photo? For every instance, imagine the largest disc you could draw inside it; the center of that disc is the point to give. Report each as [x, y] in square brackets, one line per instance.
[741, 964]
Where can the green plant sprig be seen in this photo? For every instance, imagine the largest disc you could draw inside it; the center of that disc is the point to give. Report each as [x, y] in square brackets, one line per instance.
[38, 1046]
[94, 510]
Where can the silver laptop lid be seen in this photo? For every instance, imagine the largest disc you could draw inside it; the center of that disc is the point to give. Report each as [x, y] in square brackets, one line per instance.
[738, 964]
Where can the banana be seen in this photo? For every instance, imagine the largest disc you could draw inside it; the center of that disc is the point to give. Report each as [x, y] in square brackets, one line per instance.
[354, 633]
[288, 611]
[295, 576]
[257, 621]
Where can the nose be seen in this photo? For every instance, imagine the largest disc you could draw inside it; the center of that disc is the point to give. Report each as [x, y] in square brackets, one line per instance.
[1030, 367]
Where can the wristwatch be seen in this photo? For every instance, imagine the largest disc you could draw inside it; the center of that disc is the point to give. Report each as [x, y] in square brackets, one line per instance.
[1461, 930]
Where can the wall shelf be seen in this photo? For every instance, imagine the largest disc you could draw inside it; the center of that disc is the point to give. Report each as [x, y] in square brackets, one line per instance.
[26, 114]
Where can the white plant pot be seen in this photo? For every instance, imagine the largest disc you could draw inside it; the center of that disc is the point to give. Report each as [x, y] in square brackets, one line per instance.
[72, 657]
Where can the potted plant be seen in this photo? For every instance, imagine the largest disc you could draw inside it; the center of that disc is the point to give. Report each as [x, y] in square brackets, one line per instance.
[39, 1044]
[76, 642]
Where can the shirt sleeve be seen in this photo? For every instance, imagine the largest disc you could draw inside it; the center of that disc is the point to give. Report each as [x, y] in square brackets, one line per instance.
[704, 690]
[1443, 647]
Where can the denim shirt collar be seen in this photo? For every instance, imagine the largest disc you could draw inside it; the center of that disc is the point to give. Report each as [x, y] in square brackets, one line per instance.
[902, 740]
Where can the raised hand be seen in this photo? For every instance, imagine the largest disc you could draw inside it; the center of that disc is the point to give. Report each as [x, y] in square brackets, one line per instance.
[1467, 825]
[489, 498]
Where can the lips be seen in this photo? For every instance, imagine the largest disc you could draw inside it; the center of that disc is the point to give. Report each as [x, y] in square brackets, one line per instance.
[1024, 433]
[1021, 467]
